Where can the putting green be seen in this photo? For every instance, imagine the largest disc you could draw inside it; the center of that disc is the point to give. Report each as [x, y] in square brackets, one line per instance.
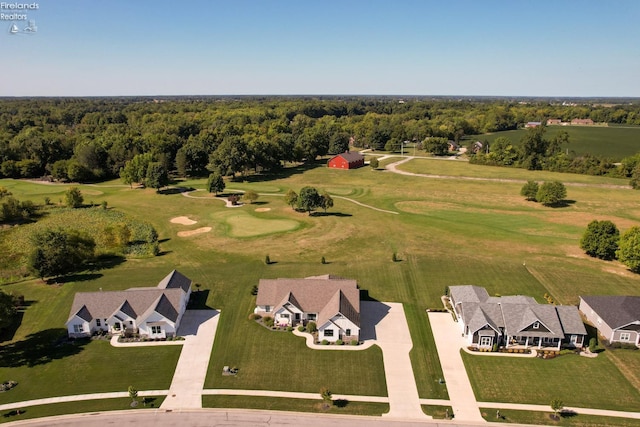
[245, 225]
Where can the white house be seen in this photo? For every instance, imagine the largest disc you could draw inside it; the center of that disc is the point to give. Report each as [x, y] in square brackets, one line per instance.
[330, 301]
[154, 312]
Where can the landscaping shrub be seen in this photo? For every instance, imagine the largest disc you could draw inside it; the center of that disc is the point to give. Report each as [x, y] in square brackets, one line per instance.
[495, 347]
[593, 343]
[311, 327]
[339, 342]
[289, 328]
[254, 316]
[300, 328]
[268, 321]
[325, 342]
[354, 342]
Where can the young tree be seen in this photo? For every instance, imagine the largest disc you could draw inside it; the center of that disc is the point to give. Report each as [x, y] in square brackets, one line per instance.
[215, 183]
[374, 163]
[291, 198]
[73, 197]
[556, 405]
[530, 190]
[327, 201]
[135, 170]
[309, 199]
[4, 192]
[629, 249]
[550, 193]
[600, 240]
[326, 396]
[250, 195]
[133, 393]
[157, 176]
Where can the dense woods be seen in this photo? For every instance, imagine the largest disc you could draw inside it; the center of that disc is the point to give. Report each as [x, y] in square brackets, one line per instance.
[139, 139]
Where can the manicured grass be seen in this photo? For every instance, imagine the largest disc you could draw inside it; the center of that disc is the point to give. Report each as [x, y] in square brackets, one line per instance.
[438, 412]
[461, 168]
[611, 142]
[44, 369]
[83, 406]
[243, 224]
[339, 407]
[542, 418]
[577, 381]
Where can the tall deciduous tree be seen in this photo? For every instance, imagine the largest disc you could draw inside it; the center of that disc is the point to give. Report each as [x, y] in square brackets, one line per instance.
[551, 193]
[309, 199]
[436, 145]
[600, 240]
[327, 201]
[215, 183]
[58, 252]
[629, 250]
[7, 310]
[291, 198]
[156, 176]
[250, 195]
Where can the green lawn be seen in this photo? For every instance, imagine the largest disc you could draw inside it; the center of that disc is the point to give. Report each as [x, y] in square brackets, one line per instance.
[43, 369]
[83, 406]
[339, 407]
[577, 381]
[542, 418]
[447, 232]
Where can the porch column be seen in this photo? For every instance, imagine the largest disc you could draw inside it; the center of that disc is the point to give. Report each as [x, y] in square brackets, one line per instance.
[506, 342]
[559, 343]
[526, 342]
[540, 342]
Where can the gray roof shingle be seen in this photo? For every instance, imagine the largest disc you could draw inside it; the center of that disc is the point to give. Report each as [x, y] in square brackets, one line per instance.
[615, 311]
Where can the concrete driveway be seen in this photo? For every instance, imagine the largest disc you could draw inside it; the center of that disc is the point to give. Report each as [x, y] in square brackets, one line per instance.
[387, 324]
[199, 329]
[449, 341]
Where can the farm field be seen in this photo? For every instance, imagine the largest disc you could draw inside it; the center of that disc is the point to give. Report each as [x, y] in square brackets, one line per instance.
[445, 232]
[615, 142]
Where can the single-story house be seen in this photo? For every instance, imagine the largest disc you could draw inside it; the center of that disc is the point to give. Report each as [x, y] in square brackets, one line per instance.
[514, 320]
[532, 124]
[348, 160]
[582, 122]
[477, 146]
[616, 317]
[453, 146]
[552, 122]
[154, 312]
[332, 302]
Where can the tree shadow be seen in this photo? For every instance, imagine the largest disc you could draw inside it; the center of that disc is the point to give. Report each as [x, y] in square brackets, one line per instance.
[568, 413]
[163, 253]
[40, 348]
[175, 190]
[76, 277]
[259, 203]
[562, 204]
[285, 172]
[340, 403]
[149, 402]
[14, 413]
[164, 240]
[337, 214]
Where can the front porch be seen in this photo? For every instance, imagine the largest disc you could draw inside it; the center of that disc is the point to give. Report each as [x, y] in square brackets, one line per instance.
[539, 343]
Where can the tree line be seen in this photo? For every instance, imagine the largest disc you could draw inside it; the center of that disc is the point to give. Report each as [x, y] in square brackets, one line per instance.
[91, 139]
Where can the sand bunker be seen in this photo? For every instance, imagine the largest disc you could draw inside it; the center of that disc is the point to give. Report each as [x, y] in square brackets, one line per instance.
[183, 220]
[192, 232]
[263, 209]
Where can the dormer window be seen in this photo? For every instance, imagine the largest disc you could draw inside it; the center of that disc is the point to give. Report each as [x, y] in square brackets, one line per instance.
[536, 325]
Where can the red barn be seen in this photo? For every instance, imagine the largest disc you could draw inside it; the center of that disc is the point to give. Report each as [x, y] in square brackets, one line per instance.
[346, 161]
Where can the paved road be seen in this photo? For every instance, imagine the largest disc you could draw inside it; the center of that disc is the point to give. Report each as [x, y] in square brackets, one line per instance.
[199, 329]
[448, 338]
[229, 418]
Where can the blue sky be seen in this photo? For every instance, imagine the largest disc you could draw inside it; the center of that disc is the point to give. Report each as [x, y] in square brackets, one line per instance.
[405, 47]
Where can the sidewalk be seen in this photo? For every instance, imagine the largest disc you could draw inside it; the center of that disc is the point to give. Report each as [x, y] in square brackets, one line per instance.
[199, 329]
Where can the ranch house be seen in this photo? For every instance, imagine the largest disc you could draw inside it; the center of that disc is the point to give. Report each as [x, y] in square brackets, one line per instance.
[514, 321]
[616, 317]
[154, 312]
[332, 302]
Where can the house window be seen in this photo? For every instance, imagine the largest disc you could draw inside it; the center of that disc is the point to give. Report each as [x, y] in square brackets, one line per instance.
[78, 328]
[536, 325]
[485, 341]
[98, 324]
[116, 326]
[285, 315]
[156, 330]
[625, 336]
[328, 332]
[131, 322]
[348, 332]
[311, 316]
[267, 308]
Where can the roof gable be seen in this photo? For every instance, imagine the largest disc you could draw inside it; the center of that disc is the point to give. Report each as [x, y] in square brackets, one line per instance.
[175, 279]
[351, 157]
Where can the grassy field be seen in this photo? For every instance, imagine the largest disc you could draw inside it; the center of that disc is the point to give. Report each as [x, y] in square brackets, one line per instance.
[569, 420]
[83, 406]
[569, 378]
[339, 407]
[447, 232]
[611, 142]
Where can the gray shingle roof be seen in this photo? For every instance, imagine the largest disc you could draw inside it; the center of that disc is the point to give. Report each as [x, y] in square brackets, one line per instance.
[352, 156]
[468, 293]
[175, 279]
[570, 320]
[615, 311]
[313, 295]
